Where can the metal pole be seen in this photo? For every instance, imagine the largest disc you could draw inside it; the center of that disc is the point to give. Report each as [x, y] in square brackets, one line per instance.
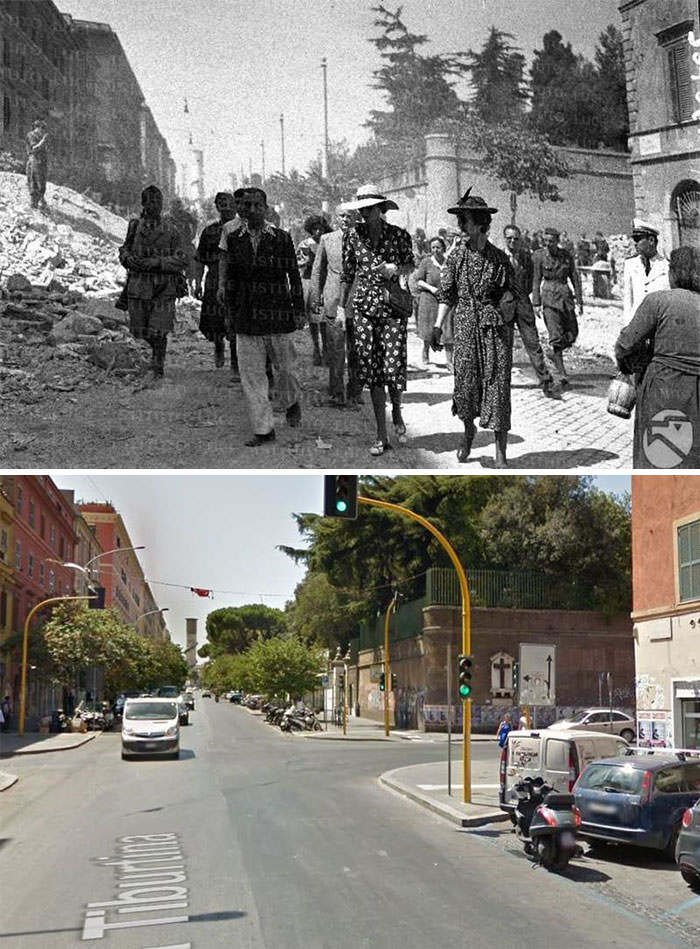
[345, 698]
[610, 700]
[449, 719]
[324, 164]
[466, 625]
[282, 137]
[387, 663]
[262, 149]
[25, 650]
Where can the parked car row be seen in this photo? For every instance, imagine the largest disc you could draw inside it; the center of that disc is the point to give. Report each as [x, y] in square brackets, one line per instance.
[623, 795]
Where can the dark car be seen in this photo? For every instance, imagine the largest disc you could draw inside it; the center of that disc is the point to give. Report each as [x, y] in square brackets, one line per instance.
[637, 799]
[235, 697]
[688, 847]
[189, 700]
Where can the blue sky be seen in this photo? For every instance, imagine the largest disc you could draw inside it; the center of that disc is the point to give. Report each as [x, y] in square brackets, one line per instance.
[217, 531]
[240, 64]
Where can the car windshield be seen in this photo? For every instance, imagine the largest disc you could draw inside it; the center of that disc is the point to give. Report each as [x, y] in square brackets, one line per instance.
[155, 711]
[578, 717]
[604, 777]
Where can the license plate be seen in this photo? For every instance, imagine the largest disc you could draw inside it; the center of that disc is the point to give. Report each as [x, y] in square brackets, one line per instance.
[151, 744]
[568, 839]
[602, 808]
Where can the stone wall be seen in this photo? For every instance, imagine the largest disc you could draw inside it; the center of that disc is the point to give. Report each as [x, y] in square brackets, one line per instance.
[587, 643]
[597, 196]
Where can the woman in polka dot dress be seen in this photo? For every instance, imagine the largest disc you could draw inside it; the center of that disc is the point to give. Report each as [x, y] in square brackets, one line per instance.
[374, 253]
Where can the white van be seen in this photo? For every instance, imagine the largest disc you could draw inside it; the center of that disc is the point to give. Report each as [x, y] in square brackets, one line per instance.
[558, 757]
[151, 726]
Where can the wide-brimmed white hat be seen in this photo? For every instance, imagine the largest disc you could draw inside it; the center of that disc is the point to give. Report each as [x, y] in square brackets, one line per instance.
[368, 195]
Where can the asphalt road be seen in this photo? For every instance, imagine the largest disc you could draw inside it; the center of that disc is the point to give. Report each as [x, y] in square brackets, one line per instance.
[268, 841]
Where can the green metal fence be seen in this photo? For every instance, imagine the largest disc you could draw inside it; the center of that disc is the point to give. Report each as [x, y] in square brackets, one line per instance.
[510, 589]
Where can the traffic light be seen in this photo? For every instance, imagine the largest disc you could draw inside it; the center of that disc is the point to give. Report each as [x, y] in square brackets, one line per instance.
[341, 680]
[465, 676]
[99, 602]
[340, 496]
[382, 682]
[393, 681]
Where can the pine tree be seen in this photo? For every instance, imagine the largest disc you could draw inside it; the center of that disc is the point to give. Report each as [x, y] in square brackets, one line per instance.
[612, 88]
[497, 75]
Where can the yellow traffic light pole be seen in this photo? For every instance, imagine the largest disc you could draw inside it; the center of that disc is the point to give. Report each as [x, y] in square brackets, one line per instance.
[387, 661]
[466, 632]
[25, 649]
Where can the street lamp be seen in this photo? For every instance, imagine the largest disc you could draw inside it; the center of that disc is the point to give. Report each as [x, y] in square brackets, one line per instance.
[84, 569]
[163, 609]
[25, 647]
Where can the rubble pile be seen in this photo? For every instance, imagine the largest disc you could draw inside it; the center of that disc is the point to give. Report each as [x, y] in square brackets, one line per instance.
[59, 279]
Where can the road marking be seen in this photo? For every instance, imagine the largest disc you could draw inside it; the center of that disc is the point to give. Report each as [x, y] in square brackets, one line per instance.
[443, 787]
[695, 901]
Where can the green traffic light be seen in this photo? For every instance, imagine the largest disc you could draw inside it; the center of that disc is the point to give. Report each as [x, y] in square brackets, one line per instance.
[465, 691]
[341, 506]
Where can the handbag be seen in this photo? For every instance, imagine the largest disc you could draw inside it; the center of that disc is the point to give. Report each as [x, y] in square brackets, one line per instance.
[400, 300]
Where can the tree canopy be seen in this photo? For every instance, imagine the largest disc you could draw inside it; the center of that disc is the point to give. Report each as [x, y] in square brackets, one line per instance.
[232, 629]
[563, 527]
[274, 667]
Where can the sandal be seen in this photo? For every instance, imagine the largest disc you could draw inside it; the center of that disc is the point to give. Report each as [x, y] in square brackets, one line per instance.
[379, 447]
[399, 426]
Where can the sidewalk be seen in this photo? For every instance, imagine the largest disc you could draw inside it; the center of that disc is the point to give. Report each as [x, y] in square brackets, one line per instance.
[12, 745]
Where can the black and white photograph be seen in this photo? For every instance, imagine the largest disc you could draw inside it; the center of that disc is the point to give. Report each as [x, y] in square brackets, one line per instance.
[439, 235]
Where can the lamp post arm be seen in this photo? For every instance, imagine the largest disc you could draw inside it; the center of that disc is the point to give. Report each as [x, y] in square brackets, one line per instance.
[114, 551]
[25, 649]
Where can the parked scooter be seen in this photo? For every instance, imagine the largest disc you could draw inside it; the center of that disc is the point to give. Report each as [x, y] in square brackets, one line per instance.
[547, 822]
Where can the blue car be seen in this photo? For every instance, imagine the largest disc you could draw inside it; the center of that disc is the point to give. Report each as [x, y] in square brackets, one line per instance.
[688, 848]
[637, 799]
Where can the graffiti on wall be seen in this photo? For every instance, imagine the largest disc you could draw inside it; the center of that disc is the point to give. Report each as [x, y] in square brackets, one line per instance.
[650, 693]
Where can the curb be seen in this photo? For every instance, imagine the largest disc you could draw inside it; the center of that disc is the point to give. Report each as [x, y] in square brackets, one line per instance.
[7, 780]
[443, 810]
[42, 751]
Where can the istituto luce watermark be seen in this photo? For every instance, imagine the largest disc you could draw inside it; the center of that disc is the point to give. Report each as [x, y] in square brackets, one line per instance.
[668, 439]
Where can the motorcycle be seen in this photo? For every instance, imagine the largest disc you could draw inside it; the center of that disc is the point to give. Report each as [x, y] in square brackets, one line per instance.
[546, 823]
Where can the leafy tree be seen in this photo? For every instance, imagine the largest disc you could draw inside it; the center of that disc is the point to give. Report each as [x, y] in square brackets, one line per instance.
[563, 527]
[169, 666]
[497, 75]
[228, 672]
[555, 75]
[322, 614]
[233, 629]
[285, 666]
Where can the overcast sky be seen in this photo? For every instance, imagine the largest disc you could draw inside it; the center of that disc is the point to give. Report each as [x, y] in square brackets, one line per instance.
[241, 64]
[217, 531]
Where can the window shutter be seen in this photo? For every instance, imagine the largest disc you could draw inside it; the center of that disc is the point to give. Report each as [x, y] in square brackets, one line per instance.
[681, 86]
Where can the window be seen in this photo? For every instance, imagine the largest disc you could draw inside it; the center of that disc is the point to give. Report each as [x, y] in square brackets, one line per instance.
[669, 781]
[52, 536]
[18, 555]
[42, 573]
[3, 609]
[3, 545]
[692, 774]
[674, 41]
[30, 565]
[689, 561]
[557, 755]
[32, 513]
[42, 526]
[123, 576]
[52, 581]
[62, 547]
[19, 504]
[619, 717]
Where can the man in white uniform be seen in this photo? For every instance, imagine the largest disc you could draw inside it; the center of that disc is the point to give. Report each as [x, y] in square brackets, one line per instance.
[646, 272]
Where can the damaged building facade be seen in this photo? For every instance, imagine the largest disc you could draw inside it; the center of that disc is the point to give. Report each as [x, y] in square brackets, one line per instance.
[75, 75]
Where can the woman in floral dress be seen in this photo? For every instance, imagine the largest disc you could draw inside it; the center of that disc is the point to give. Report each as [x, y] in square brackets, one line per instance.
[478, 281]
[212, 318]
[374, 253]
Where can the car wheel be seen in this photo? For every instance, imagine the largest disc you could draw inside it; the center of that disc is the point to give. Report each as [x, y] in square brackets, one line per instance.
[691, 878]
[627, 734]
[175, 755]
[670, 848]
[597, 846]
[125, 757]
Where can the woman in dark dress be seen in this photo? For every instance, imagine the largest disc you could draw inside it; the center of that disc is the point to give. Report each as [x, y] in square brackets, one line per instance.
[427, 280]
[374, 254]
[479, 282]
[211, 319]
[661, 345]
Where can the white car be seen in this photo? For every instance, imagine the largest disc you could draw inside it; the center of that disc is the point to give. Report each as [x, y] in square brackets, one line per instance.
[598, 720]
[151, 726]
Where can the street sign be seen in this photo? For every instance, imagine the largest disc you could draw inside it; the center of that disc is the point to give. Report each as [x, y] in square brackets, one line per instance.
[537, 674]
